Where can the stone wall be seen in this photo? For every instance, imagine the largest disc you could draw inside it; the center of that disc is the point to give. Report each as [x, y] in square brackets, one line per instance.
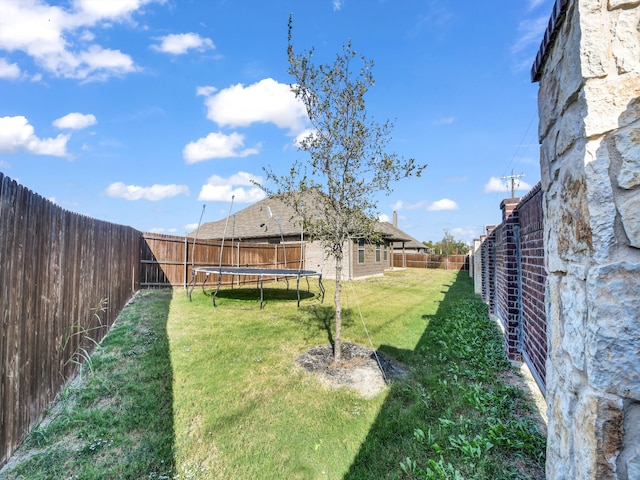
[589, 108]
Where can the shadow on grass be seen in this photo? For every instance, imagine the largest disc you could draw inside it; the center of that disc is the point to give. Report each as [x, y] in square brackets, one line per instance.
[323, 318]
[453, 392]
[269, 294]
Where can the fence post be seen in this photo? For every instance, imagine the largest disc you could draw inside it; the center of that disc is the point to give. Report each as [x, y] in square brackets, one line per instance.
[186, 256]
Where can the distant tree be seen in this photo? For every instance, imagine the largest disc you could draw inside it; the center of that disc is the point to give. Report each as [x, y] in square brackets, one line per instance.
[450, 246]
[431, 247]
[348, 163]
[447, 244]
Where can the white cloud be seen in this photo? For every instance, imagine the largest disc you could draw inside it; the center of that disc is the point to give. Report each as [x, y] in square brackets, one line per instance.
[219, 189]
[152, 193]
[496, 184]
[75, 121]
[397, 206]
[240, 178]
[444, 204]
[164, 230]
[466, 234]
[9, 70]
[180, 43]
[384, 218]
[460, 179]
[444, 121]
[530, 33]
[264, 102]
[91, 11]
[400, 205]
[59, 39]
[533, 4]
[17, 134]
[303, 135]
[217, 145]
[206, 91]
[337, 5]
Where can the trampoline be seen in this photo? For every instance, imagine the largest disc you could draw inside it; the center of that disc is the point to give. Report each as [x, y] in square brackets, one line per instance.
[261, 273]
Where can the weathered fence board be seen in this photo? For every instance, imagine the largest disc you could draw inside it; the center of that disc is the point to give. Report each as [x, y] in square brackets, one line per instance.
[55, 268]
[168, 260]
[426, 260]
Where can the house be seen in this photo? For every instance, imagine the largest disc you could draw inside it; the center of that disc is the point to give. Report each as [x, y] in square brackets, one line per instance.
[272, 221]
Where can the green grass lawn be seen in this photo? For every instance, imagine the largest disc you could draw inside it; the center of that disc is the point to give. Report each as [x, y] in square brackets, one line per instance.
[180, 389]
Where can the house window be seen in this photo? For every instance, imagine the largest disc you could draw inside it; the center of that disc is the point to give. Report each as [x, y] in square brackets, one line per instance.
[386, 252]
[378, 252]
[361, 251]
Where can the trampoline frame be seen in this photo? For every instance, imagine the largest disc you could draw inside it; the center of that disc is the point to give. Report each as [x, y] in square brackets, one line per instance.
[261, 273]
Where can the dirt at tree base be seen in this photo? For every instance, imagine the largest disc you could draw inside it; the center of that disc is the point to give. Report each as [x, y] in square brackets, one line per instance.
[360, 368]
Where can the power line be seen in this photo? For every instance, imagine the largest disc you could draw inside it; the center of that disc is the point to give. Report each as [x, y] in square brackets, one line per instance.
[521, 144]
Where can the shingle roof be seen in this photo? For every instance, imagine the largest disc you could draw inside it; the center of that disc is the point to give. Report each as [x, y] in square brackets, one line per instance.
[254, 222]
[398, 236]
[392, 233]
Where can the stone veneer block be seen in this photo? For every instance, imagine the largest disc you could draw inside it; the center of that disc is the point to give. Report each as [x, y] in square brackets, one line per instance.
[627, 144]
[613, 329]
[607, 99]
[629, 210]
[613, 4]
[573, 311]
[602, 209]
[600, 419]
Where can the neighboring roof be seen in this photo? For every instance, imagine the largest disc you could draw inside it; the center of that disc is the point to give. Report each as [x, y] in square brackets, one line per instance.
[398, 236]
[394, 234]
[254, 222]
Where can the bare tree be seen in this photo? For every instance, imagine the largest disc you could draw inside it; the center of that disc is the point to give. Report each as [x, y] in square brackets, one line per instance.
[348, 163]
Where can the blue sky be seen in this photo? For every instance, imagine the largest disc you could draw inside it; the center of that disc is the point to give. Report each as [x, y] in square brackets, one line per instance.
[140, 112]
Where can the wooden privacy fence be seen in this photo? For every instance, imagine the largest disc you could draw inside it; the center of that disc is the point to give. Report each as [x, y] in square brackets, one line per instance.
[168, 260]
[64, 278]
[426, 260]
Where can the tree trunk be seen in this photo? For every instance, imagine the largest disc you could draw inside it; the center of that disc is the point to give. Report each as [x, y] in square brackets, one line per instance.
[337, 342]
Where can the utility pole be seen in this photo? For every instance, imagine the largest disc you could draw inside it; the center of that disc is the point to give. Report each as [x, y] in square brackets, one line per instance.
[513, 177]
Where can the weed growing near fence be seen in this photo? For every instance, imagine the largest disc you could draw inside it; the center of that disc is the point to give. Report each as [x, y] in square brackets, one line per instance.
[83, 338]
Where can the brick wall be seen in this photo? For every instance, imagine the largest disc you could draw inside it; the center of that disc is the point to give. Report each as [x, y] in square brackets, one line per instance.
[507, 277]
[513, 280]
[534, 275]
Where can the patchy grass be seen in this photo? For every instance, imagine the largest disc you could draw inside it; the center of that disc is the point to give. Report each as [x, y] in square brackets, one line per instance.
[182, 390]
